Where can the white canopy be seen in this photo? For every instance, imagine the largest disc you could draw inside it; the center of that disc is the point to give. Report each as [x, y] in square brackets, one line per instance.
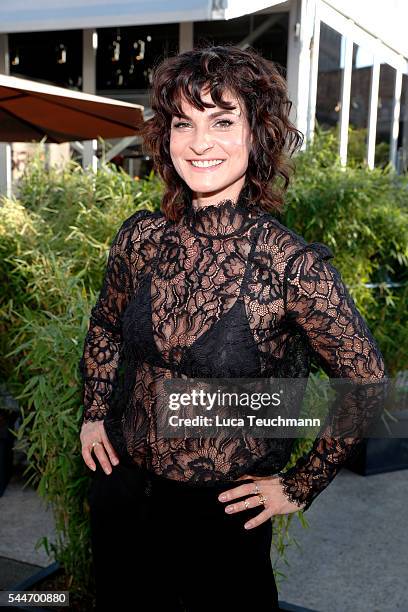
[23, 16]
[385, 19]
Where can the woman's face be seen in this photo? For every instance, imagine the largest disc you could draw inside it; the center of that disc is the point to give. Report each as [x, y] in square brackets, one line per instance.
[215, 135]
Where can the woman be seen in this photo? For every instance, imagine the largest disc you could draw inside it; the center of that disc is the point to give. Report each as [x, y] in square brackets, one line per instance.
[211, 286]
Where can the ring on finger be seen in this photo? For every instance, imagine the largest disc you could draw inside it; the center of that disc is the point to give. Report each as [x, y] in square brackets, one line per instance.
[246, 503]
[262, 499]
[95, 443]
[256, 491]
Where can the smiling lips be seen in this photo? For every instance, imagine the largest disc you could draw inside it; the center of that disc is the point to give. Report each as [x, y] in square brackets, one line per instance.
[205, 164]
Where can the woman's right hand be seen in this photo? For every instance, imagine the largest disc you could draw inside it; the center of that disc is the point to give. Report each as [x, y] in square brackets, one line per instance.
[94, 431]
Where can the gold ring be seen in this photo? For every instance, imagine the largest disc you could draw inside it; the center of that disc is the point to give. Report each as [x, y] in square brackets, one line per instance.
[262, 499]
[95, 443]
[246, 503]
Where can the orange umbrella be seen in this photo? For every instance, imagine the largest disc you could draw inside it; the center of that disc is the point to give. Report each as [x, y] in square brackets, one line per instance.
[30, 110]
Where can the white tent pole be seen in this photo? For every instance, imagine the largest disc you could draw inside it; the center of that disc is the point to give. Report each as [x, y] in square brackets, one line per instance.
[89, 46]
[120, 146]
[5, 169]
[5, 147]
[257, 32]
[77, 146]
[301, 28]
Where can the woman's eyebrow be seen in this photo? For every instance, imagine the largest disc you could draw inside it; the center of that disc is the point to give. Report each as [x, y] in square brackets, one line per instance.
[211, 115]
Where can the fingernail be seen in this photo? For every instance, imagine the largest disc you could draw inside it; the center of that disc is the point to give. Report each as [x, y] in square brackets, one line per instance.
[229, 509]
[247, 525]
[93, 468]
[115, 462]
[222, 497]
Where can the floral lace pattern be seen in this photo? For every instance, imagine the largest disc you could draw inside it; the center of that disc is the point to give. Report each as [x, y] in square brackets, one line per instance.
[228, 291]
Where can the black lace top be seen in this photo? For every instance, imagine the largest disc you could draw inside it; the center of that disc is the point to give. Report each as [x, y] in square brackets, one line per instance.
[226, 292]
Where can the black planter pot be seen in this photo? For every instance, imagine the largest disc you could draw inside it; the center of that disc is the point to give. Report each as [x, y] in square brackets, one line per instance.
[386, 454]
[36, 580]
[7, 420]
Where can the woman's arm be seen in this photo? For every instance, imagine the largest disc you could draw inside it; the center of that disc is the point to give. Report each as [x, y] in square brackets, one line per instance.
[102, 344]
[318, 302]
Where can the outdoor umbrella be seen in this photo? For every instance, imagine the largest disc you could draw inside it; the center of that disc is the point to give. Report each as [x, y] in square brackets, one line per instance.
[30, 110]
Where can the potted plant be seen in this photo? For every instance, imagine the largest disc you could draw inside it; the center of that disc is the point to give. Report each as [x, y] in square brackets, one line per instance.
[8, 419]
[387, 453]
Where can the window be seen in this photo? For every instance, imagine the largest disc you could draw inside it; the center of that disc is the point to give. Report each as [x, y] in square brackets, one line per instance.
[51, 57]
[126, 57]
[272, 43]
[359, 104]
[402, 146]
[384, 115]
[329, 78]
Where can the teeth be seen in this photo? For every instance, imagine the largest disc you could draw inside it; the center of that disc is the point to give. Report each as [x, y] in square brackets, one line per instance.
[206, 164]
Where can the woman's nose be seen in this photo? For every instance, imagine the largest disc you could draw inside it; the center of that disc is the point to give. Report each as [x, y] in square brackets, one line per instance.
[201, 141]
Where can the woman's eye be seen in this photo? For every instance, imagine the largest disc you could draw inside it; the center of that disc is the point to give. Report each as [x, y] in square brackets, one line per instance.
[226, 123]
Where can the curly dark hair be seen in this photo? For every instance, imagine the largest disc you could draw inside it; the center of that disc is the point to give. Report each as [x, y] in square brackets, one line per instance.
[259, 86]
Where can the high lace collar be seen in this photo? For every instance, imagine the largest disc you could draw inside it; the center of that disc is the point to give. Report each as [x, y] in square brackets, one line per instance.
[223, 219]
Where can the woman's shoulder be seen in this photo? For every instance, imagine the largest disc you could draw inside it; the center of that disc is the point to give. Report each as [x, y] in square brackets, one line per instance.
[142, 227]
[141, 224]
[143, 216]
[288, 243]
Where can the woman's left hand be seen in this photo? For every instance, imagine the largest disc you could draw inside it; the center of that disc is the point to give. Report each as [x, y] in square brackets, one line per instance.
[276, 501]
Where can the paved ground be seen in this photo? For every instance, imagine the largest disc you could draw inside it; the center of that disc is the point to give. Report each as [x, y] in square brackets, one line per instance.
[24, 519]
[354, 553]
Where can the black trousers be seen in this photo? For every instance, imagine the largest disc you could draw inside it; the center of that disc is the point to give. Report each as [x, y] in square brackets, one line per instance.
[163, 545]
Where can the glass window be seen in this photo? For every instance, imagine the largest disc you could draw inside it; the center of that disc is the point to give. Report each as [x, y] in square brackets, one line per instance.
[330, 68]
[127, 55]
[384, 115]
[402, 146]
[51, 57]
[272, 43]
[359, 105]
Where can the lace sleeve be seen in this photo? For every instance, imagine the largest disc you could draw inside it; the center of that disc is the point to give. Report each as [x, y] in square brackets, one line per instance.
[102, 344]
[318, 302]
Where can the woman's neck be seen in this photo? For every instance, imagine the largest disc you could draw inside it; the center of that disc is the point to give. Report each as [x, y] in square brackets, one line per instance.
[223, 217]
[230, 194]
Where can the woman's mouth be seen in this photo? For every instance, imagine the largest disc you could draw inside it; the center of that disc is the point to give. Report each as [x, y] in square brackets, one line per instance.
[205, 166]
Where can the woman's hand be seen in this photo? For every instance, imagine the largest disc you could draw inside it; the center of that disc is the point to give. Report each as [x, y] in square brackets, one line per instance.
[276, 501]
[94, 431]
